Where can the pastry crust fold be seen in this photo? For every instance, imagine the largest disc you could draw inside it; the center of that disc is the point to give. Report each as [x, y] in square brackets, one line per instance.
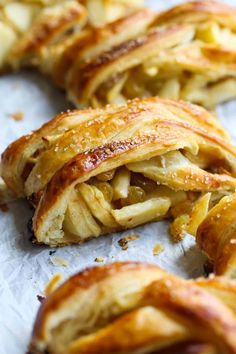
[93, 172]
[135, 307]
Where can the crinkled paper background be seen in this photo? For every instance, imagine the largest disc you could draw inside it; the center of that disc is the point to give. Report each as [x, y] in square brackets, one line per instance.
[26, 268]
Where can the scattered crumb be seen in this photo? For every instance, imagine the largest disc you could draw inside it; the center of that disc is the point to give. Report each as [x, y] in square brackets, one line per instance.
[52, 252]
[58, 261]
[99, 259]
[123, 242]
[178, 227]
[157, 249]
[51, 285]
[4, 208]
[17, 116]
[40, 298]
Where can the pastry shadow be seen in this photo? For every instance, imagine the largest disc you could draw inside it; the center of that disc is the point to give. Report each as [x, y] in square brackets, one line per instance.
[191, 262]
[21, 214]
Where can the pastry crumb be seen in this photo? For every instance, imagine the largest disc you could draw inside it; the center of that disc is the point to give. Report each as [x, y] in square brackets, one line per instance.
[52, 284]
[58, 261]
[99, 259]
[4, 208]
[40, 298]
[123, 242]
[157, 249]
[17, 116]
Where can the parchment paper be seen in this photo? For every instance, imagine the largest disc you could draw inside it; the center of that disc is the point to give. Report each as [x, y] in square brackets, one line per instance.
[26, 268]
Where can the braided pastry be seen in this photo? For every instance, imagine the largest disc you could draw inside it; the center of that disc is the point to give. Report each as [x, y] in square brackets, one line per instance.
[185, 53]
[92, 172]
[216, 236]
[28, 27]
[136, 308]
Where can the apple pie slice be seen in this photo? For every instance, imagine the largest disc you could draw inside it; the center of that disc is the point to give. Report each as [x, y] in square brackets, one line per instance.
[93, 172]
[136, 308]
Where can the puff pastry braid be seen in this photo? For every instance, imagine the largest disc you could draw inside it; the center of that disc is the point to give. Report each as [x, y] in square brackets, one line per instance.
[186, 53]
[136, 308]
[27, 27]
[93, 172]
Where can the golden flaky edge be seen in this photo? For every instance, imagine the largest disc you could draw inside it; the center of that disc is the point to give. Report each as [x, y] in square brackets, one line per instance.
[136, 308]
[119, 167]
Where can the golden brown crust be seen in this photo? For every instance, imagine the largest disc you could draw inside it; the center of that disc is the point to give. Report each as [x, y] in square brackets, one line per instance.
[130, 300]
[200, 10]
[153, 41]
[82, 281]
[48, 28]
[90, 43]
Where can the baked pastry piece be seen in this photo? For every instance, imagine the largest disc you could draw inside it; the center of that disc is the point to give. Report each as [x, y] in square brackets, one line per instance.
[217, 237]
[28, 27]
[136, 308]
[186, 53]
[92, 172]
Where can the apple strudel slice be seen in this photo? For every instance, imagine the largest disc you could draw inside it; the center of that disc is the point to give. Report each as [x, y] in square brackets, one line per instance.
[96, 171]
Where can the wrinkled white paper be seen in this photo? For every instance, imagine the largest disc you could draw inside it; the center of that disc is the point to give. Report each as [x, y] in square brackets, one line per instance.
[26, 268]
